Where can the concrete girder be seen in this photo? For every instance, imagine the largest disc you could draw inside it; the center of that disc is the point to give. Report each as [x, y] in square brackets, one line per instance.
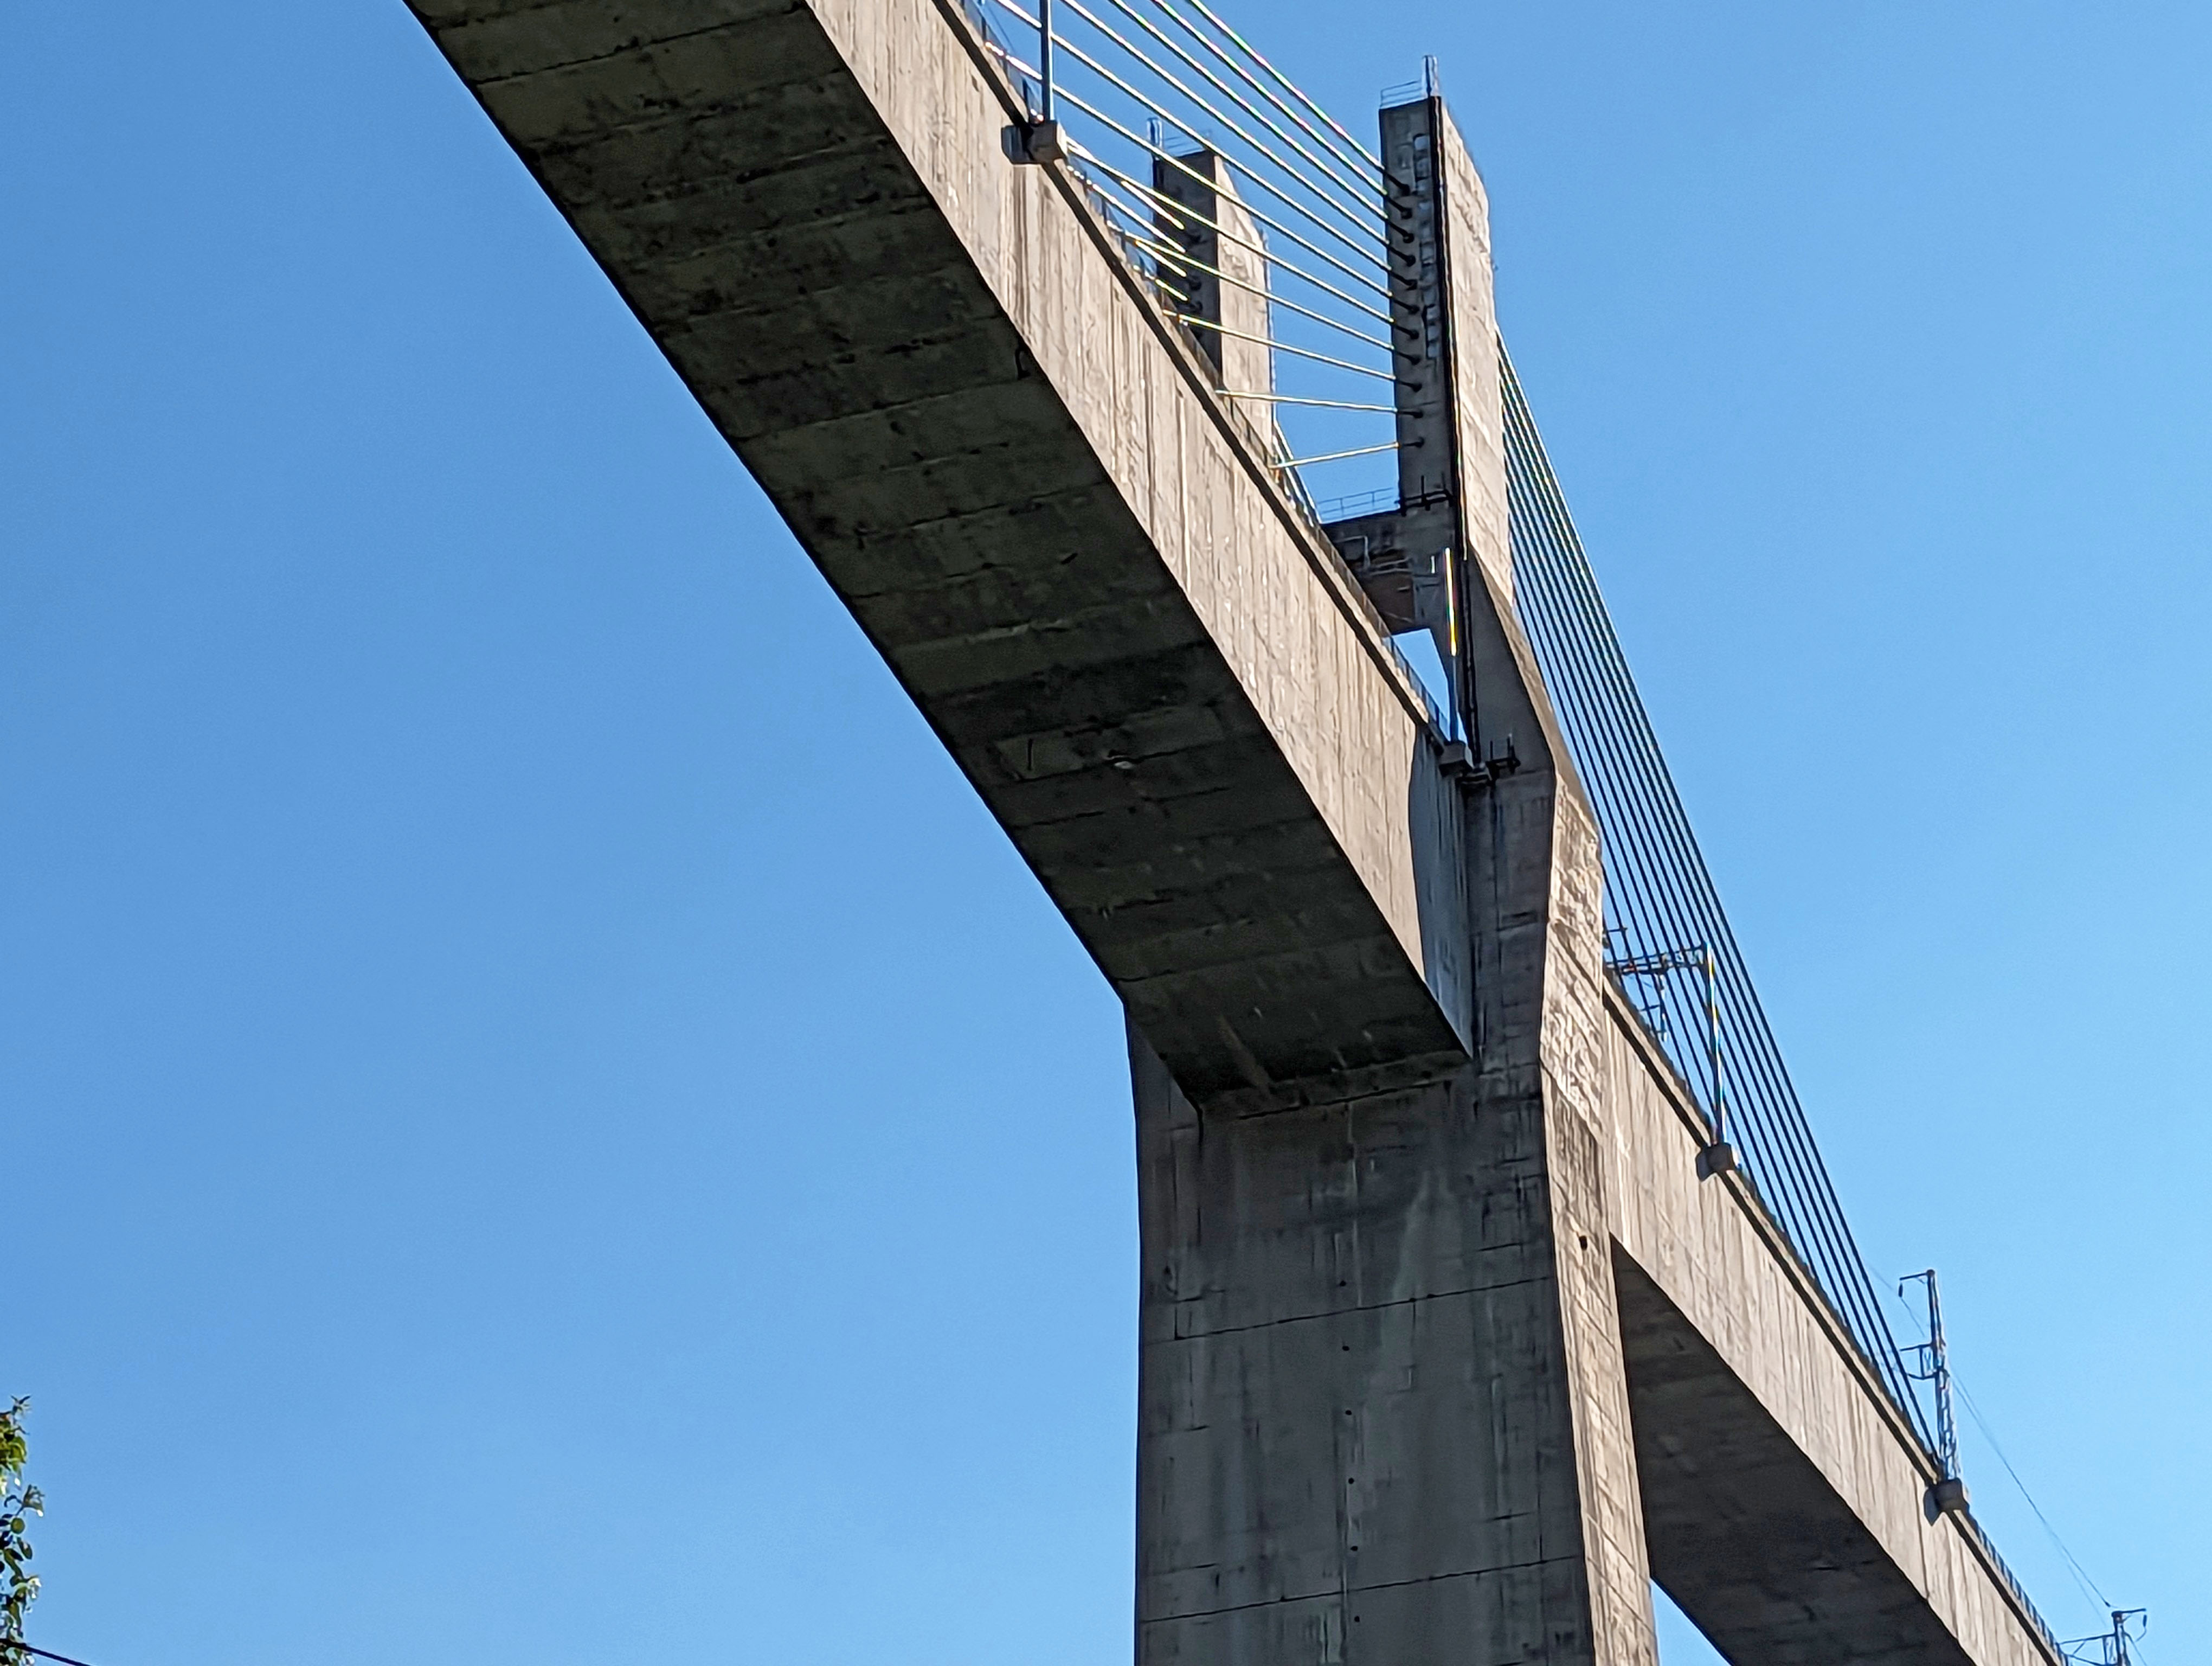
[1051, 532]
[1438, 1327]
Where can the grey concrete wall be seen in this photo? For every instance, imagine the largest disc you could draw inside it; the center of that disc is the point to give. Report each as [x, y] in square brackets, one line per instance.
[1383, 1406]
[1364, 1432]
[1789, 1499]
[1227, 282]
[1451, 456]
[1478, 395]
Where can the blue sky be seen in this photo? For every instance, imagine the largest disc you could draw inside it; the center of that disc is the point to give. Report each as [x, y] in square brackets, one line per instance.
[542, 1118]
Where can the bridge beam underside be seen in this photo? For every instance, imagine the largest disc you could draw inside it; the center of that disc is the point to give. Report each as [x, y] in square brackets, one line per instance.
[999, 454]
[1388, 1116]
[1785, 1498]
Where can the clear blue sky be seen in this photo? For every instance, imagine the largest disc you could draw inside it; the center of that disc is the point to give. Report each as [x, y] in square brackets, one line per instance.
[541, 1120]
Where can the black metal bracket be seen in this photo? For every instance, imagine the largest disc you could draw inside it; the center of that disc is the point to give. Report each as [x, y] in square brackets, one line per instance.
[1034, 143]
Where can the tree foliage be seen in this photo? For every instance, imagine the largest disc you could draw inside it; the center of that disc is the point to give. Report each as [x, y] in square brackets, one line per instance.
[18, 1586]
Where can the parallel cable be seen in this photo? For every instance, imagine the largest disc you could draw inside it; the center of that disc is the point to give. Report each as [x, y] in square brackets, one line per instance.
[1574, 639]
[1184, 167]
[1336, 456]
[1286, 400]
[1791, 1156]
[1186, 262]
[1254, 174]
[1244, 46]
[1183, 211]
[1352, 210]
[1359, 161]
[1359, 188]
[1284, 347]
[1311, 205]
[2081, 1576]
[1685, 924]
[1662, 898]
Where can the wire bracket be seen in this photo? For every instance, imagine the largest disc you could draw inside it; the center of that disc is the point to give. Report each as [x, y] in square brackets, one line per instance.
[1032, 144]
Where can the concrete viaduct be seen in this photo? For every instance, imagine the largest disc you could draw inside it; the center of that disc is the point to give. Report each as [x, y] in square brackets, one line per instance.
[1447, 1349]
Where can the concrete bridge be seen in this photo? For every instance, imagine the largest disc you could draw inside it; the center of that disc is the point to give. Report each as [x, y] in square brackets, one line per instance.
[1461, 1322]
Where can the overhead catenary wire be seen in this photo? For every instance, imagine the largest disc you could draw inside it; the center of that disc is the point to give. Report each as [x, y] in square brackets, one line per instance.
[2083, 1580]
[2081, 1574]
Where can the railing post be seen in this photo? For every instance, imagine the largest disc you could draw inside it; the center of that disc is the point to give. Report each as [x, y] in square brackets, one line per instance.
[1040, 141]
[1044, 60]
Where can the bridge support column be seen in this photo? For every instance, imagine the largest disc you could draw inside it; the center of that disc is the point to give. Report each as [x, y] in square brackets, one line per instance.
[1383, 1402]
[1381, 1412]
[1383, 1418]
[1384, 1411]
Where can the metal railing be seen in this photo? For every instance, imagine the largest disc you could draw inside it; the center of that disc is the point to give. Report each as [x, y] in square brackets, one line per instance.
[1141, 99]
[1660, 899]
[1139, 88]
